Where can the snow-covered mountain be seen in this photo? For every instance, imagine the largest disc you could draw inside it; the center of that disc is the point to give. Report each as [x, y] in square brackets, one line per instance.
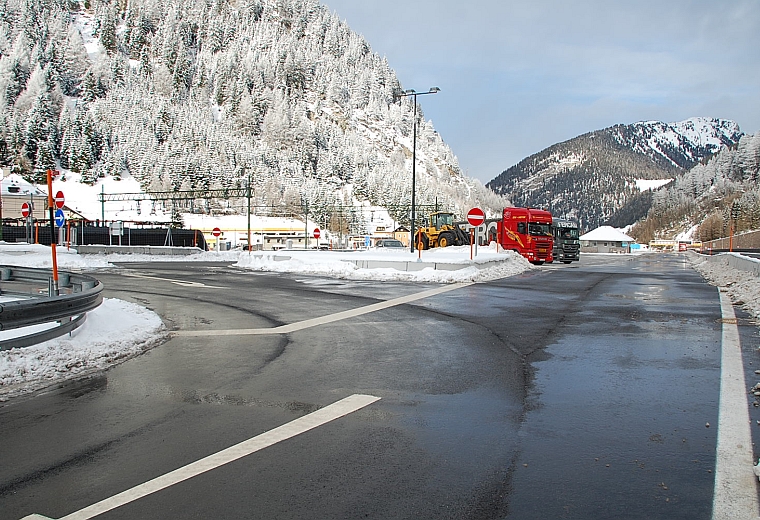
[681, 144]
[711, 199]
[600, 177]
[184, 95]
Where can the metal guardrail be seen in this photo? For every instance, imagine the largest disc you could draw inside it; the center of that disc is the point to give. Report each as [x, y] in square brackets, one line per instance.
[34, 306]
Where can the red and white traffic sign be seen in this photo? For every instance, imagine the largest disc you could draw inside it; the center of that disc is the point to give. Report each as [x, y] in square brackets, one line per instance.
[317, 233]
[59, 200]
[25, 209]
[476, 217]
[216, 232]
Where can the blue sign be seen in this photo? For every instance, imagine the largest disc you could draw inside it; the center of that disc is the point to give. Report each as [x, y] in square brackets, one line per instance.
[366, 241]
[60, 218]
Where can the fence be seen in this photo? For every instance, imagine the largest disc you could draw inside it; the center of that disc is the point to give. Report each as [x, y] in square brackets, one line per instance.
[86, 234]
[745, 241]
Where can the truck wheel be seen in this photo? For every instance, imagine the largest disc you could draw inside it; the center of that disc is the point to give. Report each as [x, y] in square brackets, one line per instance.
[445, 240]
[422, 241]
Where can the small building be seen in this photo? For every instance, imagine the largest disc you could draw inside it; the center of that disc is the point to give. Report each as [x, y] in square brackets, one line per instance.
[606, 239]
[15, 192]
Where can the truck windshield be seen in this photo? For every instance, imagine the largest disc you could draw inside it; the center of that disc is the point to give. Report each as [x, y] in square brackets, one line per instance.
[568, 233]
[539, 230]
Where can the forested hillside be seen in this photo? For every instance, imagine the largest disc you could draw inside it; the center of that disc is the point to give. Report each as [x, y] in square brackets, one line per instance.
[720, 193]
[601, 177]
[186, 94]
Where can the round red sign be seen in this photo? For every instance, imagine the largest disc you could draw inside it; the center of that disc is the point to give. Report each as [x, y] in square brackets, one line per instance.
[59, 200]
[317, 233]
[216, 232]
[476, 217]
[25, 209]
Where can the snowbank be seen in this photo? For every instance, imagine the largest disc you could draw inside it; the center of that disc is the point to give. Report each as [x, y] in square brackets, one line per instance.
[114, 332]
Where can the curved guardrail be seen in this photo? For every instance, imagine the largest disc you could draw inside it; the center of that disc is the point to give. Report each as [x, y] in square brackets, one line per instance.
[32, 304]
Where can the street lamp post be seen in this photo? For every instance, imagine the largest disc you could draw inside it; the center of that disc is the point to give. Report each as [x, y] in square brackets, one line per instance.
[413, 94]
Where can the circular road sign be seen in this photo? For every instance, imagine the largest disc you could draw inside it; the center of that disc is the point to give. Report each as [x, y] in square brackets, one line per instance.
[317, 233]
[476, 217]
[25, 209]
[59, 200]
[60, 218]
[216, 232]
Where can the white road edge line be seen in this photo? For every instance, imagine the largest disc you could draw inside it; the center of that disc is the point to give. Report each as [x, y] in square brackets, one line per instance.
[735, 494]
[322, 320]
[303, 424]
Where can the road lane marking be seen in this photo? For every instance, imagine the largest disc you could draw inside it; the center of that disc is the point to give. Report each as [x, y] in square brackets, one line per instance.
[735, 494]
[322, 320]
[301, 425]
[183, 283]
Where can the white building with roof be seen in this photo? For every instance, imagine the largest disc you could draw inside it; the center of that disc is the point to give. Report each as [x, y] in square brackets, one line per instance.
[606, 239]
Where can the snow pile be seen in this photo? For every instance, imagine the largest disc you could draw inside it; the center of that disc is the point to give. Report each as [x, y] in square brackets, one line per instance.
[742, 287]
[41, 257]
[114, 332]
[343, 264]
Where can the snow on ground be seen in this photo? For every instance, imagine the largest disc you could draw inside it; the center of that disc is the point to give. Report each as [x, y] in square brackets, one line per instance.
[340, 264]
[118, 330]
[743, 287]
[114, 332]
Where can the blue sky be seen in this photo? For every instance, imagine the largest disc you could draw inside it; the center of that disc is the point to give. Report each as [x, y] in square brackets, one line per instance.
[517, 76]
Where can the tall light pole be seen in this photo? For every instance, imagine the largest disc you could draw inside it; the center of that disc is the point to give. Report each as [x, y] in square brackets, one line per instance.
[413, 94]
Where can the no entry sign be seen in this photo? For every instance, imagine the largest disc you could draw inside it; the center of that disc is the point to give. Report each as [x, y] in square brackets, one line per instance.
[25, 209]
[476, 217]
[59, 200]
[317, 233]
[216, 232]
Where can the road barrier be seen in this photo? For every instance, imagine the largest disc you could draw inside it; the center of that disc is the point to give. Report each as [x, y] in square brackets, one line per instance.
[32, 304]
[735, 260]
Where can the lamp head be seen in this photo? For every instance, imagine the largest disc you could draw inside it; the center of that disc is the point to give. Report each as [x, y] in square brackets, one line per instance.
[434, 90]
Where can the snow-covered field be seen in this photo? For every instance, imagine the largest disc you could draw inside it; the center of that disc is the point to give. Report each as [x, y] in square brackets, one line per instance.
[104, 340]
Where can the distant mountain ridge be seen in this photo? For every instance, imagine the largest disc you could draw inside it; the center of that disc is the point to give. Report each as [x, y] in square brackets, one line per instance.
[592, 178]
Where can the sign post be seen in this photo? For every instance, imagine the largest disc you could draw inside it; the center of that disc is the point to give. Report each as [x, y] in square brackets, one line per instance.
[26, 212]
[317, 233]
[54, 284]
[2, 176]
[476, 217]
[217, 233]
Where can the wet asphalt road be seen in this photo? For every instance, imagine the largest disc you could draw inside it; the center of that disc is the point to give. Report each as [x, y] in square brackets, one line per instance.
[578, 391]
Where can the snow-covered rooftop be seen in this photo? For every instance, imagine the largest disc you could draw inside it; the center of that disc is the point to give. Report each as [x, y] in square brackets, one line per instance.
[606, 234]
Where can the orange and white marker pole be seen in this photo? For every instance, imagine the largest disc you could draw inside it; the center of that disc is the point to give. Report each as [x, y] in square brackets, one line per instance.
[51, 205]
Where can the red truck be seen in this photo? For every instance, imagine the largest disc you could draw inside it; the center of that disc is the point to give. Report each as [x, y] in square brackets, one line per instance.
[527, 231]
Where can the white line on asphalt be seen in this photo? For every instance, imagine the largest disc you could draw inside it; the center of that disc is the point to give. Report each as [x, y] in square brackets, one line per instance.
[735, 494]
[322, 320]
[303, 424]
[183, 283]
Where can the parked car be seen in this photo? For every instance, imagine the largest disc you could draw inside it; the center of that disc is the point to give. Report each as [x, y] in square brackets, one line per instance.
[389, 243]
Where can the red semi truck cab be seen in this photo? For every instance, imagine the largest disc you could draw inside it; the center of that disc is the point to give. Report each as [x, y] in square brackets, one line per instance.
[527, 231]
